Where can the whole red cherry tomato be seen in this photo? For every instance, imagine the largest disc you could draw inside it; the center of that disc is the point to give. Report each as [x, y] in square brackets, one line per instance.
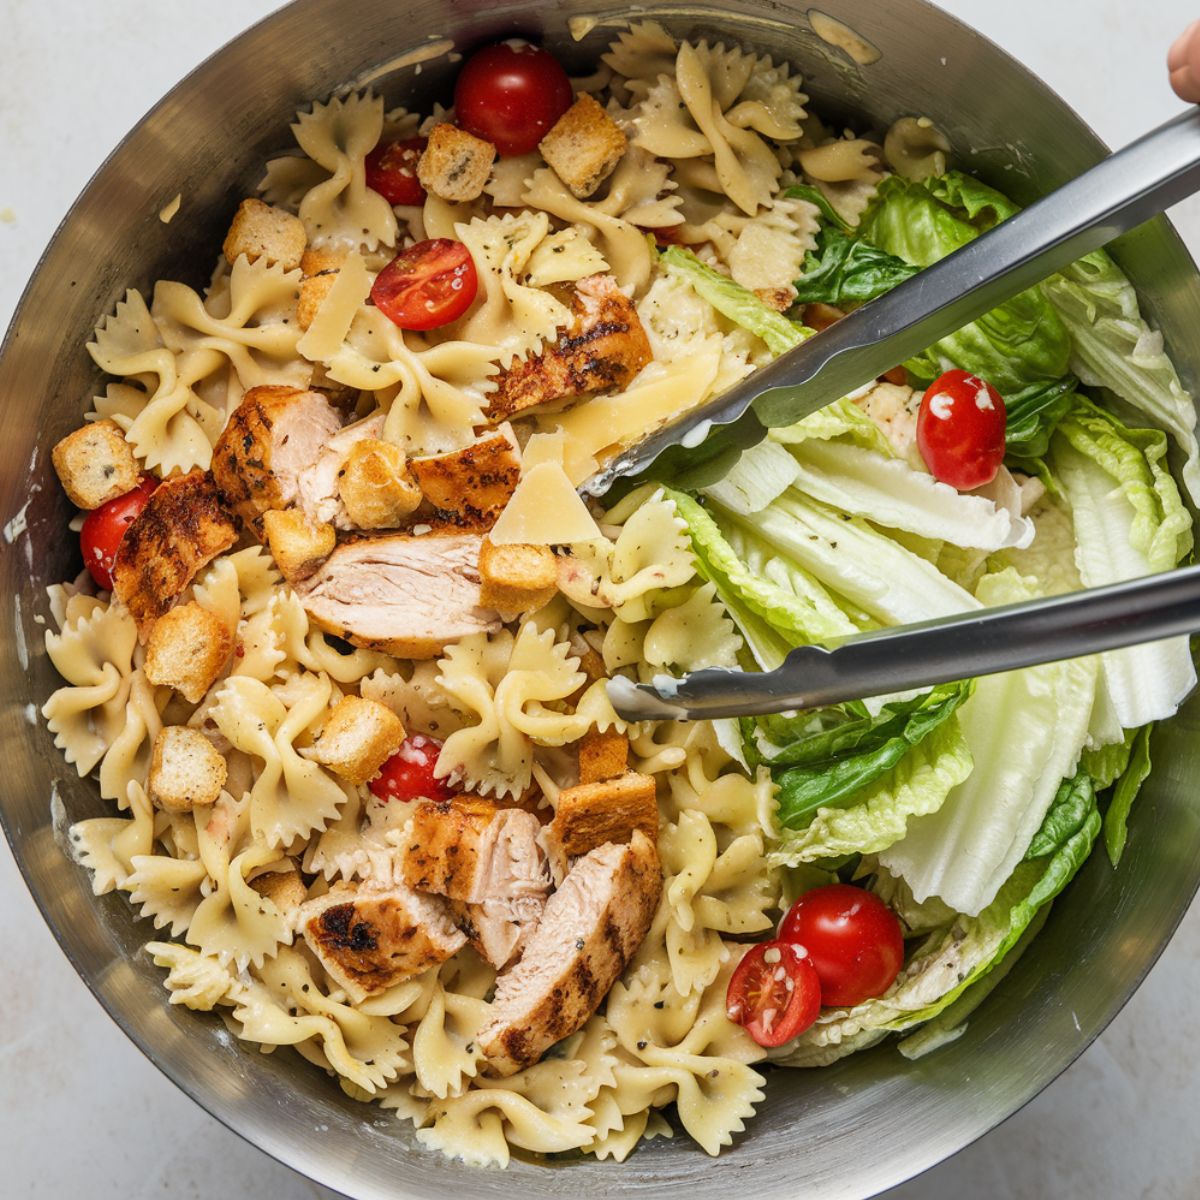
[853, 939]
[392, 171]
[510, 94]
[104, 527]
[960, 430]
[427, 285]
[774, 992]
[408, 774]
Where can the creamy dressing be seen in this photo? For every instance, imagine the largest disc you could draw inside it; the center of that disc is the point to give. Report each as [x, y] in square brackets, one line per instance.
[839, 35]
[168, 210]
[437, 48]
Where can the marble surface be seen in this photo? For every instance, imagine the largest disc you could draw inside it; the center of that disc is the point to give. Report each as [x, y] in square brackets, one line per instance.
[1120, 1123]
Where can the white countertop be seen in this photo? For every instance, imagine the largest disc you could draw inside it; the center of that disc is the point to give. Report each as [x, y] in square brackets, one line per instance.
[84, 1113]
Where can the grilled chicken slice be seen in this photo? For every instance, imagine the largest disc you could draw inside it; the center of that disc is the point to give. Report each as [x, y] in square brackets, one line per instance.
[271, 438]
[470, 487]
[589, 930]
[184, 525]
[318, 482]
[602, 348]
[894, 409]
[473, 850]
[405, 595]
[499, 930]
[369, 938]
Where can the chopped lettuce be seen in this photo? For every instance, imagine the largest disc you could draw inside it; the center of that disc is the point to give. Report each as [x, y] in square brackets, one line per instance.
[761, 475]
[956, 957]
[845, 271]
[918, 783]
[738, 304]
[1113, 347]
[1026, 730]
[1129, 522]
[1116, 819]
[842, 419]
[1032, 415]
[1019, 344]
[1106, 764]
[816, 197]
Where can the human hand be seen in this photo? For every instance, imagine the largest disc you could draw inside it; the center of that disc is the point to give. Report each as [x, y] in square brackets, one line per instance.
[1183, 62]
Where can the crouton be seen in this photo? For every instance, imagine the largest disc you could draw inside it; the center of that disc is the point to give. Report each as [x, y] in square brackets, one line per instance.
[185, 770]
[584, 146]
[359, 736]
[298, 545]
[591, 814]
[778, 298]
[603, 756]
[285, 889]
[187, 650]
[95, 464]
[375, 485]
[261, 231]
[455, 164]
[320, 266]
[471, 486]
[516, 578]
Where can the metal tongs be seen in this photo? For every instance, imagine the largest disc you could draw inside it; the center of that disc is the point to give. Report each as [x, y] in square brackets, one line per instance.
[1116, 195]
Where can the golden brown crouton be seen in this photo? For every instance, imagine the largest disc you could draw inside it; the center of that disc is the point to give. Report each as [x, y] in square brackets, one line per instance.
[185, 770]
[187, 650]
[285, 889]
[455, 164]
[778, 298]
[183, 527]
[610, 810]
[516, 578]
[369, 938]
[95, 464]
[320, 265]
[603, 347]
[298, 545]
[375, 485]
[260, 231]
[359, 736]
[471, 486]
[584, 146]
[603, 756]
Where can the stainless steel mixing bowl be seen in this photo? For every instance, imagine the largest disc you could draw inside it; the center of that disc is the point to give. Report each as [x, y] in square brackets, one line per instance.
[847, 1131]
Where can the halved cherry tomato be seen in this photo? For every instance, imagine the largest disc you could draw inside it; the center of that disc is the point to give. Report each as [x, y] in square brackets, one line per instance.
[427, 285]
[853, 939]
[392, 171]
[960, 430]
[510, 94]
[774, 993]
[408, 774]
[104, 527]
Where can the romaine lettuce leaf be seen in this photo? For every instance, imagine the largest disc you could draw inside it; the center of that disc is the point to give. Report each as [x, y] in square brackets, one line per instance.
[1116, 819]
[1026, 730]
[1129, 522]
[917, 784]
[846, 270]
[956, 958]
[805, 191]
[738, 304]
[842, 419]
[1033, 413]
[760, 476]
[1114, 347]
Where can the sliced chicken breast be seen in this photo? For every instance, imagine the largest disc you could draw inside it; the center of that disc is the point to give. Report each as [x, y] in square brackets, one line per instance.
[272, 437]
[470, 487]
[499, 930]
[183, 527]
[590, 929]
[474, 850]
[369, 938]
[318, 483]
[407, 595]
[602, 349]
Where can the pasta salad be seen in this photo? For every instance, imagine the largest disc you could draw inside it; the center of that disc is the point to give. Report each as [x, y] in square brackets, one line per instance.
[339, 652]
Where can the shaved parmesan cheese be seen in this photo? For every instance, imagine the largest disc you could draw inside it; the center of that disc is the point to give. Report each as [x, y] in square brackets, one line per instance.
[337, 311]
[545, 510]
[557, 448]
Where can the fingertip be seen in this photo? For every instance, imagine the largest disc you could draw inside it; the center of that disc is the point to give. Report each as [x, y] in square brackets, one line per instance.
[1185, 84]
[1181, 47]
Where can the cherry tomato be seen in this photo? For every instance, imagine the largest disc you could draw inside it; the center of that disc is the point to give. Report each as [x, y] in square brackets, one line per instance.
[427, 285]
[853, 939]
[104, 527]
[774, 992]
[960, 430]
[510, 94]
[408, 774]
[392, 171]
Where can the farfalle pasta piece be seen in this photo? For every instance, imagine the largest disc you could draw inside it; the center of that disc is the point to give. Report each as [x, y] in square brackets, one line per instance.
[166, 889]
[338, 135]
[304, 647]
[916, 148]
[639, 55]
[841, 160]
[196, 982]
[444, 1051]
[686, 637]
[291, 796]
[107, 846]
[510, 177]
[564, 257]
[766, 252]
[641, 192]
[417, 700]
